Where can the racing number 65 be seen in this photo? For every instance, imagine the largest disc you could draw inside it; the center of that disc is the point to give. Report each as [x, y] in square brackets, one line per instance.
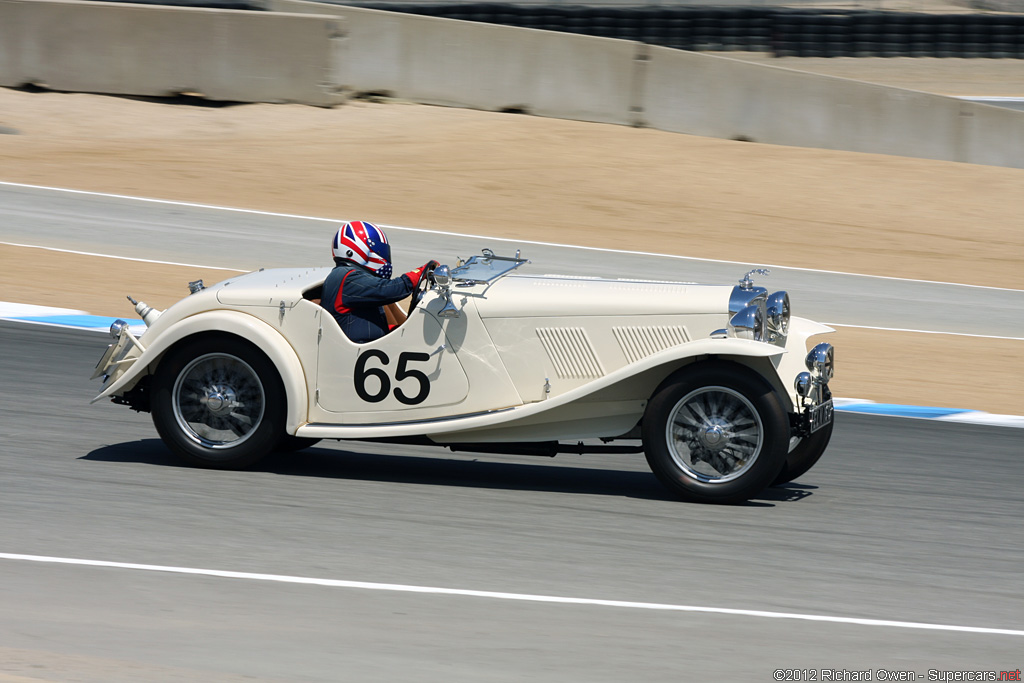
[403, 371]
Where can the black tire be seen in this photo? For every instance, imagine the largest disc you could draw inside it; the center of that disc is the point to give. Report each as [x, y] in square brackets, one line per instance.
[807, 452]
[705, 459]
[292, 444]
[219, 402]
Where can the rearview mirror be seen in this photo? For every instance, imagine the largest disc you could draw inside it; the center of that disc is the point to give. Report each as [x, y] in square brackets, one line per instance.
[442, 276]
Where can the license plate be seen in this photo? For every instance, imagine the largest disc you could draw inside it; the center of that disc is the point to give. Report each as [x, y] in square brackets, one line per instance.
[821, 415]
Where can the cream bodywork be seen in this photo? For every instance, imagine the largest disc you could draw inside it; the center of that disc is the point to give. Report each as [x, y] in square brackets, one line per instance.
[528, 358]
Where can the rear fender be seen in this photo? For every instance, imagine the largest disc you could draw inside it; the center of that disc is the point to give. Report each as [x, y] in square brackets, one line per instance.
[251, 329]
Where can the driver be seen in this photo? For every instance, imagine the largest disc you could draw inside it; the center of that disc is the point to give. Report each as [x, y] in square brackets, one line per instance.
[358, 292]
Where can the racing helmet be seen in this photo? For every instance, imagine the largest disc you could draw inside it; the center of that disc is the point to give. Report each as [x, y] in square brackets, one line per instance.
[365, 244]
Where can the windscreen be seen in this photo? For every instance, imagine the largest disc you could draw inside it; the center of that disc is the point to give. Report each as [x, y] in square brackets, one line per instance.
[485, 269]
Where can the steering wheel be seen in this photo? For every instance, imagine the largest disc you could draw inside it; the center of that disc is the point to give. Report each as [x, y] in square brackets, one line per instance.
[422, 287]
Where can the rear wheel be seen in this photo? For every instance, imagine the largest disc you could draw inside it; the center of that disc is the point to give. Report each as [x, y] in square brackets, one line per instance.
[219, 402]
[715, 433]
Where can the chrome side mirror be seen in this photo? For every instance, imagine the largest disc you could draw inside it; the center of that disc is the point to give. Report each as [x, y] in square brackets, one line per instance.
[443, 280]
[448, 310]
[443, 276]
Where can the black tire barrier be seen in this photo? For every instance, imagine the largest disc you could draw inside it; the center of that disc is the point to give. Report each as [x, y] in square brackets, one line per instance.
[784, 32]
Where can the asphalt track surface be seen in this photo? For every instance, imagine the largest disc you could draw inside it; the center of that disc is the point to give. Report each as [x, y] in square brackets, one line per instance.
[248, 240]
[903, 520]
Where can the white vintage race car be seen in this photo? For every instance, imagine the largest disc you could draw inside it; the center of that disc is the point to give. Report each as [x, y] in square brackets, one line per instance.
[713, 383]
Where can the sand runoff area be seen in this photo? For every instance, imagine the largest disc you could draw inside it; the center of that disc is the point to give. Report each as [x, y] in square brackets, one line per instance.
[510, 175]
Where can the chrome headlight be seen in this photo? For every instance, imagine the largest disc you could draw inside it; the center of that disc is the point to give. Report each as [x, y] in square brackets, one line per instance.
[802, 384]
[822, 361]
[778, 311]
[750, 323]
[743, 297]
[117, 327]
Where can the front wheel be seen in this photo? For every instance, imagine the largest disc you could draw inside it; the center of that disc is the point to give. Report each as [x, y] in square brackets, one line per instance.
[219, 402]
[715, 433]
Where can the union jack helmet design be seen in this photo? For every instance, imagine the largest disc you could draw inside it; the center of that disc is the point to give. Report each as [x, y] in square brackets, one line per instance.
[363, 243]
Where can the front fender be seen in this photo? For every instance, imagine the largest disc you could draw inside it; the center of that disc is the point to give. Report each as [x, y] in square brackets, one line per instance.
[640, 379]
[253, 330]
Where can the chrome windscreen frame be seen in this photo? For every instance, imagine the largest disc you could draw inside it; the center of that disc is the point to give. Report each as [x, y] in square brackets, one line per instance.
[484, 268]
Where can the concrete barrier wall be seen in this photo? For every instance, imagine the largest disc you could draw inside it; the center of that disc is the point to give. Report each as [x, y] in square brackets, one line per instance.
[991, 135]
[702, 95]
[288, 55]
[443, 61]
[541, 72]
[484, 66]
[143, 50]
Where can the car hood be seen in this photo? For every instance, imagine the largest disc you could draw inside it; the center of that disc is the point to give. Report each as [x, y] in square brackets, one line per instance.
[518, 296]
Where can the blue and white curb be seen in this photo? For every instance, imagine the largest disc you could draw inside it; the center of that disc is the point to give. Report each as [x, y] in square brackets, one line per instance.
[64, 317]
[67, 317]
[864, 406]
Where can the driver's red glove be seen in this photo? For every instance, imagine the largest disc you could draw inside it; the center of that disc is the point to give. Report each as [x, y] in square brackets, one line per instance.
[416, 275]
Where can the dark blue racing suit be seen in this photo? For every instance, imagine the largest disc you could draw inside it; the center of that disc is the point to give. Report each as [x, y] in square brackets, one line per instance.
[355, 296]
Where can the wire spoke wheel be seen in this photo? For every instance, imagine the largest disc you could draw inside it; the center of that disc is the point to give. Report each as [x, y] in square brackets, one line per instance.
[218, 400]
[714, 434]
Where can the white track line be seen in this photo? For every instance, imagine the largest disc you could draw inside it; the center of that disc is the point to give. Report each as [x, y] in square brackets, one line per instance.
[522, 597]
[498, 239]
[121, 258]
[903, 329]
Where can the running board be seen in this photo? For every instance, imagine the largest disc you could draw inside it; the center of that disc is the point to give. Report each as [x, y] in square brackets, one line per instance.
[547, 449]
